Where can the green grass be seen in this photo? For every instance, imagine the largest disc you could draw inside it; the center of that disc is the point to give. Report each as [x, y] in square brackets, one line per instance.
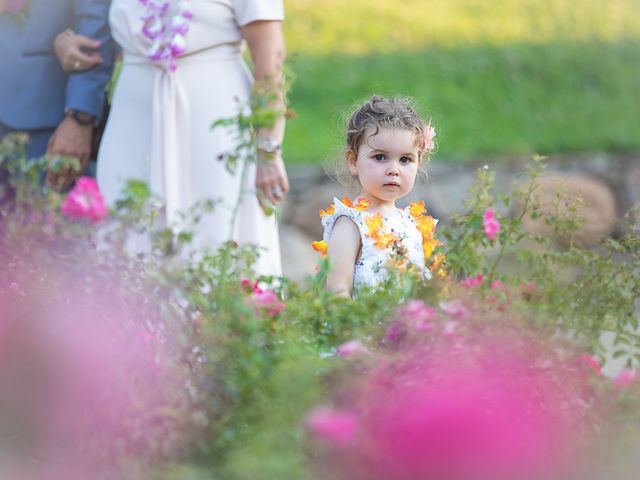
[496, 76]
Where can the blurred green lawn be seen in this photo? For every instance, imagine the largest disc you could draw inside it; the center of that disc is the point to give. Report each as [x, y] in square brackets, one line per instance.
[496, 76]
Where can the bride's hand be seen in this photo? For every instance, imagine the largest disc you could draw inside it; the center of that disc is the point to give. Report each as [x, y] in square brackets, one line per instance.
[271, 179]
[76, 53]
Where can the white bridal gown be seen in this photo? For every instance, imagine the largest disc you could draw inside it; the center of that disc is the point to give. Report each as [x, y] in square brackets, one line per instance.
[159, 130]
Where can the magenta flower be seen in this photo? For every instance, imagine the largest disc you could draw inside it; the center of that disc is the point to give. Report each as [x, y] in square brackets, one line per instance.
[591, 362]
[332, 425]
[85, 201]
[418, 315]
[351, 348]
[490, 224]
[268, 301]
[625, 378]
[455, 308]
[472, 281]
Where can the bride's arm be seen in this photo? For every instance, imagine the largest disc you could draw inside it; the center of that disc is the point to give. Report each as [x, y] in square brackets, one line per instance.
[266, 45]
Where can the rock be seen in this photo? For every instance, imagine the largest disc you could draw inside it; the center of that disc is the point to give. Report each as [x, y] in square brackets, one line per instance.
[304, 211]
[298, 258]
[599, 209]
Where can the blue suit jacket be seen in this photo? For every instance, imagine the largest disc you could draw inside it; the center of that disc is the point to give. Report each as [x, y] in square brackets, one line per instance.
[34, 91]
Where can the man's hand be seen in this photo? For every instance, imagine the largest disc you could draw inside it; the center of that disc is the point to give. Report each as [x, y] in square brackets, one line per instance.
[70, 139]
[76, 53]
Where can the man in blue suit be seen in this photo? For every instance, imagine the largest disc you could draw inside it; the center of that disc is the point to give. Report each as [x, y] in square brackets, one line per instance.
[58, 110]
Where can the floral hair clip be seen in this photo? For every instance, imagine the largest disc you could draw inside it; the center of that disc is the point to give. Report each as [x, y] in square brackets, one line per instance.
[429, 134]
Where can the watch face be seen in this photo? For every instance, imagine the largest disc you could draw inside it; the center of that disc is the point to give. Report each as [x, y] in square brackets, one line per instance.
[268, 145]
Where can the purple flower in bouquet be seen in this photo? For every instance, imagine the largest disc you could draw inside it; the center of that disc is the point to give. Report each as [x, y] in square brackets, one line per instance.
[85, 201]
[166, 25]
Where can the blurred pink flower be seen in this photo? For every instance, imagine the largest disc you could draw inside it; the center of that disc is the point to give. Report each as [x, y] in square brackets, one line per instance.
[472, 281]
[591, 362]
[335, 426]
[455, 308]
[350, 348]
[490, 224]
[625, 378]
[417, 315]
[268, 301]
[85, 201]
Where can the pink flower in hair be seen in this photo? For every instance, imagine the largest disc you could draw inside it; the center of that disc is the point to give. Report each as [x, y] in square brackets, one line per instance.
[490, 224]
[429, 135]
[85, 201]
[335, 426]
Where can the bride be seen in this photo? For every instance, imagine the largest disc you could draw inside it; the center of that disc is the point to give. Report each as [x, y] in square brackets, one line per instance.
[182, 70]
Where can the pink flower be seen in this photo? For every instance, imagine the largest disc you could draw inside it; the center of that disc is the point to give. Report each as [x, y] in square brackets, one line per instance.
[490, 224]
[496, 284]
[455, 308]
[450, 328]
[350, 348]
[418, 315]
[395, 331]
[625, 378]
[591, 362]
[429, 135]
[85, 201]
[268, 300]
[472, 281]
[332, 425]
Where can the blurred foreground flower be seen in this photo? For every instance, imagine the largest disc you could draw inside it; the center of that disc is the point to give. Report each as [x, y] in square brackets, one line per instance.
[492, 401]
[85, 201]
[90, 377]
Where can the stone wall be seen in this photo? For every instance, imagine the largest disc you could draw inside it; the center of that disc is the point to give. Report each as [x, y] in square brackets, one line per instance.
[608, 183]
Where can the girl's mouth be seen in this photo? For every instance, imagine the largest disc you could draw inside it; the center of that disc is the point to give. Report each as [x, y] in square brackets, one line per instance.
[391, 184]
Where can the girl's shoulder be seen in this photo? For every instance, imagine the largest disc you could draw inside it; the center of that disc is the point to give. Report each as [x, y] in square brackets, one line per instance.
[343, 208]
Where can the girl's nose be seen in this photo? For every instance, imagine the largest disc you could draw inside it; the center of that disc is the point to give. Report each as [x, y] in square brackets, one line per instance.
[393, 169]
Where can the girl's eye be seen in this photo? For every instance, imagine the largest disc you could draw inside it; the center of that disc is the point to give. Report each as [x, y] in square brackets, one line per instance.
[379, 157]
[406, 160]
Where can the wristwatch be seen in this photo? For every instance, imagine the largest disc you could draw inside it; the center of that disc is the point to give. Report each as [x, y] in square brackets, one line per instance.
[81, 118]
[268, 147]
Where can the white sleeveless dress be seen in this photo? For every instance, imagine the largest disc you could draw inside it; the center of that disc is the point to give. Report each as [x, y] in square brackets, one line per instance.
[159, 131]
[370, 268]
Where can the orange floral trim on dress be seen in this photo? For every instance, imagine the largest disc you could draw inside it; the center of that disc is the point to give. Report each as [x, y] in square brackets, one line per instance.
[361, 204]
[320, 247]
[426, 225]
[376, 230]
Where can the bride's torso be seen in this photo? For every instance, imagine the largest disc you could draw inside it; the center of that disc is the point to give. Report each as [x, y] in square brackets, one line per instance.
[213, 24]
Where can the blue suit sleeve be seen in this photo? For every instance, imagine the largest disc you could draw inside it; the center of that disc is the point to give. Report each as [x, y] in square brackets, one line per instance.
[86, 90]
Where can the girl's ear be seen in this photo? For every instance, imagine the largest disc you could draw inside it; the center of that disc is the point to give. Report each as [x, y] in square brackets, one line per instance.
[352, 159]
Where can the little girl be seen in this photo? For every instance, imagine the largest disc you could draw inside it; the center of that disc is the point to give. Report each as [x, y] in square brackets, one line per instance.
[386, 143]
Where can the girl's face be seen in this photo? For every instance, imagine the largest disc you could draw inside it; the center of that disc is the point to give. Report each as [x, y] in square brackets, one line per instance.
[386, 164]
